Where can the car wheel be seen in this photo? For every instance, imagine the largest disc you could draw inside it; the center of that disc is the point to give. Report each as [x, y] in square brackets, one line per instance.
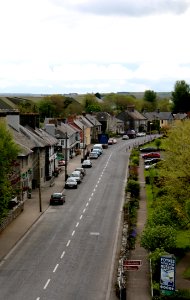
[76, 186]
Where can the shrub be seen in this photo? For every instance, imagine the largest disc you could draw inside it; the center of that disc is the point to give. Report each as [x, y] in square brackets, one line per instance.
[133, 187]
[160, 236]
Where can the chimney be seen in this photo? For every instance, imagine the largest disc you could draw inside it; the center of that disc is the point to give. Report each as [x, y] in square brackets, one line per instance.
[13, 119]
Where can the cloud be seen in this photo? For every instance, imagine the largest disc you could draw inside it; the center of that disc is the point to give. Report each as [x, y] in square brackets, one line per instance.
[129, 8]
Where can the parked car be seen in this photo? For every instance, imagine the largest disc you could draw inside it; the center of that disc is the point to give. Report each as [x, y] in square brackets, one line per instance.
[82, 170]
[77, 175]
[148, 149]
[152, 161]
[138, 134]
[93, 155]
[99, 147]
[57, 198]
[110, 141]
[147, 167]
[71, 183]
[125, 137]
[61, 163]
[151, 155]
[87, 163]
[98, 151]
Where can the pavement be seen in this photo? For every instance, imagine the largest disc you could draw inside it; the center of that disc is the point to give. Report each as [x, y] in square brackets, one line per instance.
[14, 232]
[138, 282]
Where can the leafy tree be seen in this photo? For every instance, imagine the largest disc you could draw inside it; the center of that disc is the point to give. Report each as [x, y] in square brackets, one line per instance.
[150, 100]
[181, 97]
[158, 143]
[8, 153]
[91, 104]
[150, 96]
[160, 236]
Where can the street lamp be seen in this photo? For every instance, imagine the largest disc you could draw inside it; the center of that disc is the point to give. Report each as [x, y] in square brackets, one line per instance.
[66, 156]
[150, 130]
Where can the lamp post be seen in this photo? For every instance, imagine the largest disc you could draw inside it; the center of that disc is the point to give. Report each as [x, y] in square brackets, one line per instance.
[83, 142]
[150, 130]
[66, 156]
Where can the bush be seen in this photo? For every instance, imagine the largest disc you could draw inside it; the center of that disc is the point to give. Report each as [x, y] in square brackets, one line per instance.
[133, 187]
[159, 237]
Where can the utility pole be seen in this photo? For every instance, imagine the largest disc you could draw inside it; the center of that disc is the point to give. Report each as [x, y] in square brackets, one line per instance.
[83, 142]
[66, 156]
[39, 182]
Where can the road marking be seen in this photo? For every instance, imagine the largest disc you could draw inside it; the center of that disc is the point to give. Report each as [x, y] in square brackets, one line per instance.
[92, 194]
[96, 186]
[62, 254]
[87, 204]
[94, 190]
[77, 224]
[84, 210]
[94, 233]
[73, 232]
[38, 298]
[90, 199]
[81, 217]
[48, 281]
[55, 268]
[68, 243]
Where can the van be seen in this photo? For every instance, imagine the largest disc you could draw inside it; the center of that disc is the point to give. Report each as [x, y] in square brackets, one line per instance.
[98, 146]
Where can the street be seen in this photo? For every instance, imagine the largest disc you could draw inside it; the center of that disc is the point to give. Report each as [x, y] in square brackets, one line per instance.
[70, 252]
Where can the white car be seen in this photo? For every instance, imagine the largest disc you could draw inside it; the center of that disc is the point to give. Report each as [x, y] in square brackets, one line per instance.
[125, 137]
[77, 175]
[140, 134]
[93, 155]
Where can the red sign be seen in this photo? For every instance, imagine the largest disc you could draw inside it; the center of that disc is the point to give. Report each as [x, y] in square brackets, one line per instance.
[131, 268]
[133, 262]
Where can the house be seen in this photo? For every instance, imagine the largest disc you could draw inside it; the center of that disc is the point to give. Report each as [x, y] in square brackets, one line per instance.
[158, 120]
[68, 137]
[96, 129]
[36, 149]
[133, 120]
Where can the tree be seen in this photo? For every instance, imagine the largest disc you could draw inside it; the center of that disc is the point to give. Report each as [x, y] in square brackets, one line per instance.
[150, 99]
[8, 152]
[91, 104]
[181, 97]
[160, 236]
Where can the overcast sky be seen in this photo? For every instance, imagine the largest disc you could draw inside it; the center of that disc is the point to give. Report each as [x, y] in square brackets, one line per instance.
[89, 46]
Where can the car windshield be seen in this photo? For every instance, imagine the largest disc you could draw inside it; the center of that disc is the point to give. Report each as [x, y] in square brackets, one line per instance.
[57, 195]
[71, 179]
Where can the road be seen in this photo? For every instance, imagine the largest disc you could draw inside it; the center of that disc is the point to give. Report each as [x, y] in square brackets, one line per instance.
[69, 254]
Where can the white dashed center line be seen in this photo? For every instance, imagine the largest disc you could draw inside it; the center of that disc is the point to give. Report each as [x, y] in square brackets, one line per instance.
[55, 268]
[48, 281]
[68, 243]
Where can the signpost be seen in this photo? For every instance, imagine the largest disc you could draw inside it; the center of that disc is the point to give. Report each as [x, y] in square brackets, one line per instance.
[132, 265]
[167, 274]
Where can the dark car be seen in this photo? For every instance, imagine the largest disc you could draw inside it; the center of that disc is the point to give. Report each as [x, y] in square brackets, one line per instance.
[87, 164]
[57, 198]
[71, 183]
[148, 149]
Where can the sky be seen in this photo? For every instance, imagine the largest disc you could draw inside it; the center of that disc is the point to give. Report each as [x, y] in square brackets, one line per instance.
[90, 46]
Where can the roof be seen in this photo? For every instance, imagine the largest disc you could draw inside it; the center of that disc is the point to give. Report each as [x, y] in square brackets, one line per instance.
[93, 119]
[158, 115]
[25, 143]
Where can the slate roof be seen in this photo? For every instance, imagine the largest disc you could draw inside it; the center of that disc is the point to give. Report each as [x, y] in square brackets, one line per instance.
[93, 119]
[158, 115]
[26, 144]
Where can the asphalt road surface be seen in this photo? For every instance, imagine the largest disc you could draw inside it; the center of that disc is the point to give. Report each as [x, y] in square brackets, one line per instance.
[70, 252]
